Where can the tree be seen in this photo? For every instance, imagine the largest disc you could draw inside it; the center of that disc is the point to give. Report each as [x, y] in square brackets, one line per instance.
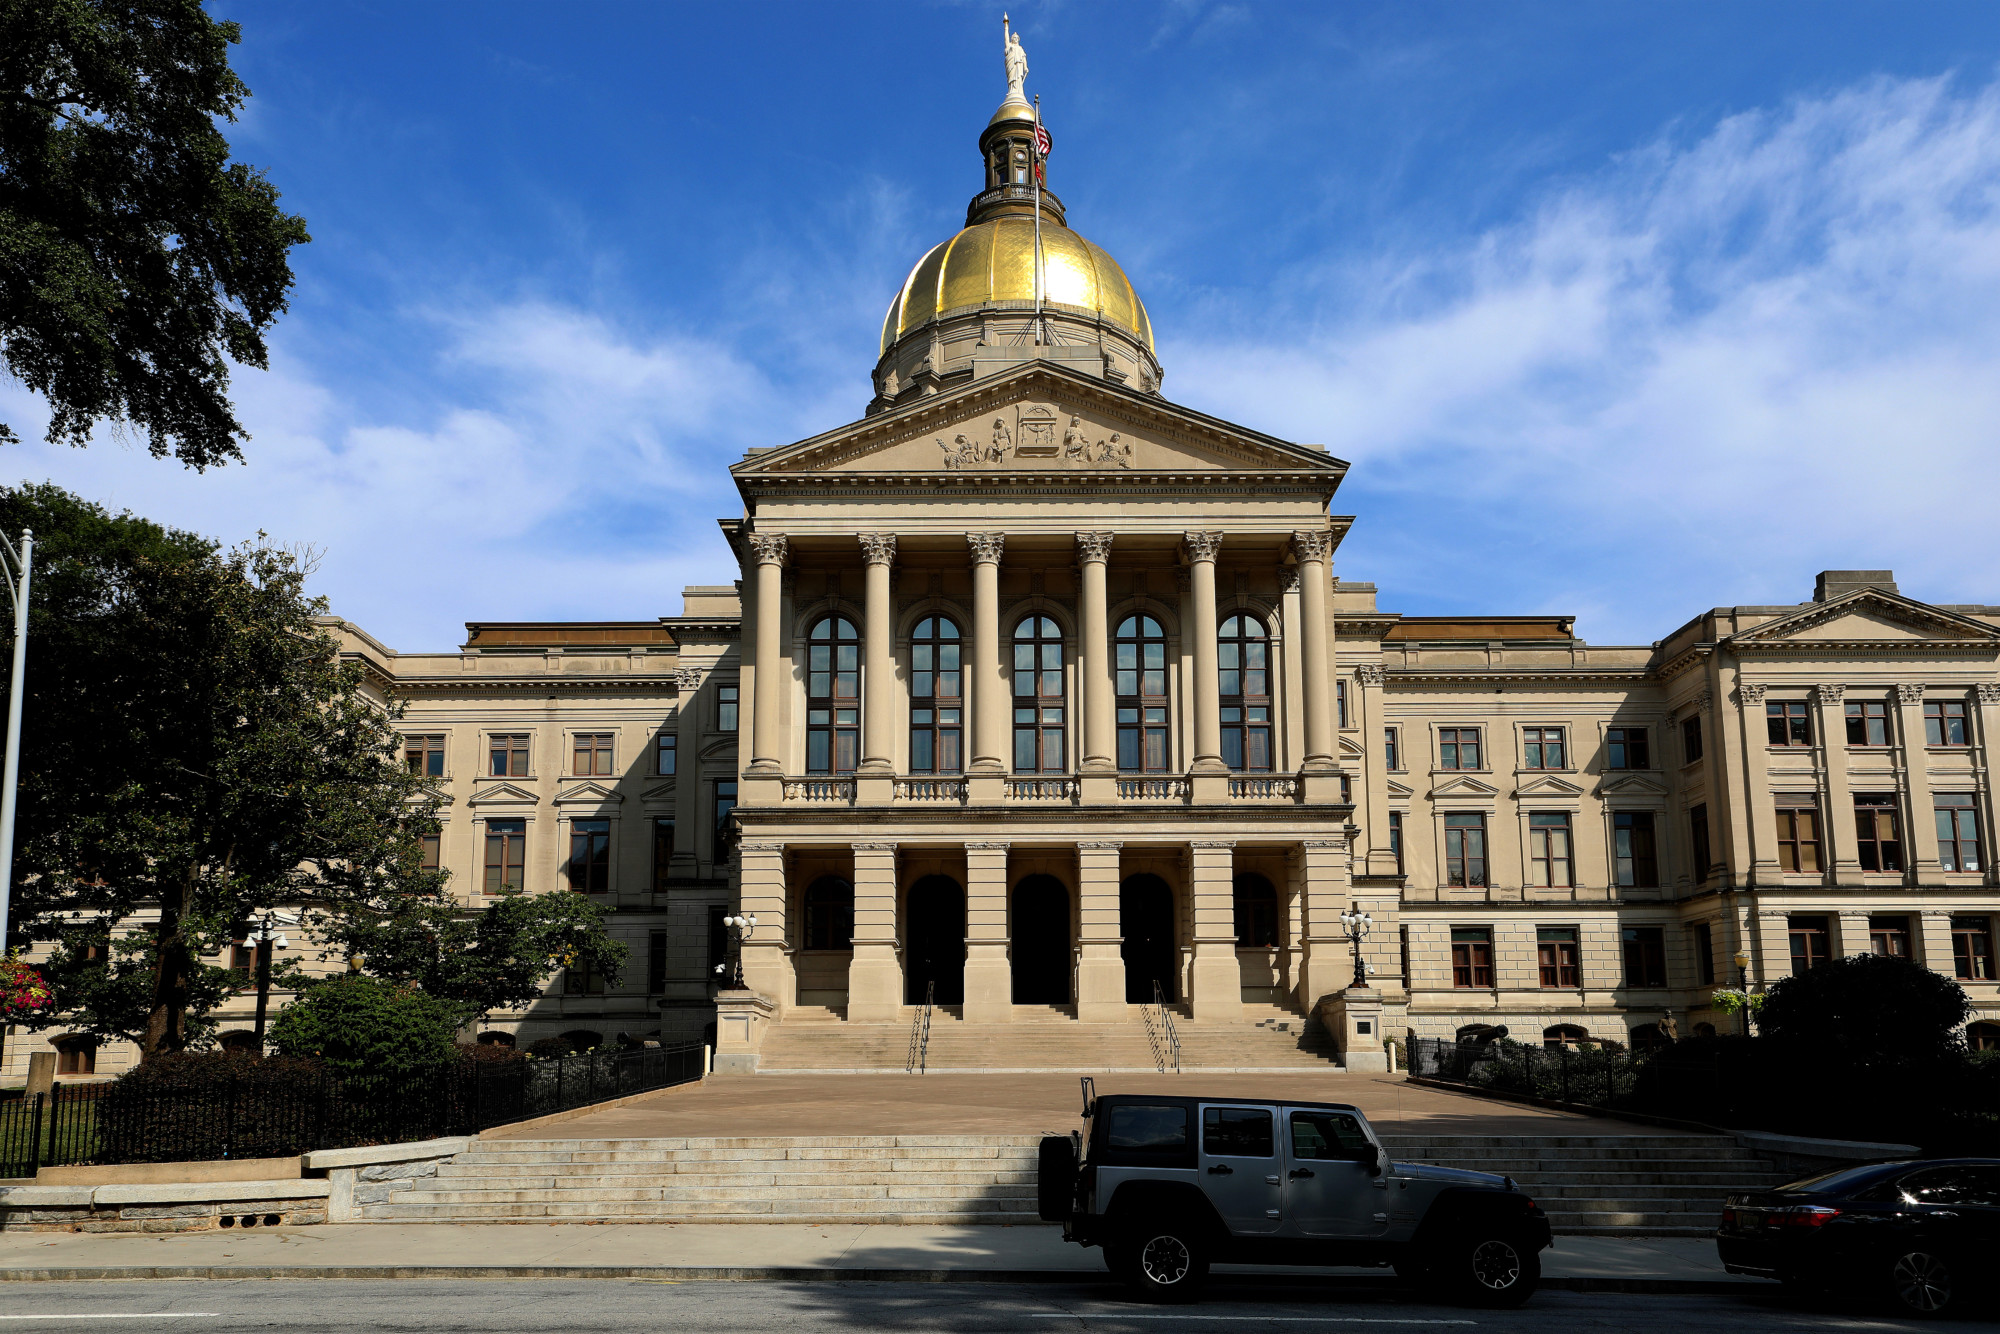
[136, 259]
[366, 1026]
[1868, 1009]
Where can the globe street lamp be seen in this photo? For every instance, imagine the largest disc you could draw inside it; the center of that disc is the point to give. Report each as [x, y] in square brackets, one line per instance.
[1742, 962]
[743, 928]
[1358, 924]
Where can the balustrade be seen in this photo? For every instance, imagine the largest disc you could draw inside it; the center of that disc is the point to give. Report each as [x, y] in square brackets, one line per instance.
[942, 790]
[1264, 788]
[824, 791]
[1152, 789]
[1041, 789]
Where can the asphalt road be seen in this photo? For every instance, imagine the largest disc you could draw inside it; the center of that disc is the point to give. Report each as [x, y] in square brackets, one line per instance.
[603, 1306]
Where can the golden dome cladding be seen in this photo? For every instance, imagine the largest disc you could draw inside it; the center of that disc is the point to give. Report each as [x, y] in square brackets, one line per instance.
[994, 261]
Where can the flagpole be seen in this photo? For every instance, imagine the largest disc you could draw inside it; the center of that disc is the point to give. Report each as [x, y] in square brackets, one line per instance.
[1035, 171]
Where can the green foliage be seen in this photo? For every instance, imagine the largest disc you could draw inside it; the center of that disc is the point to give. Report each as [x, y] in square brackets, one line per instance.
[1868, 1010]
[361, 1025]
[136, 260]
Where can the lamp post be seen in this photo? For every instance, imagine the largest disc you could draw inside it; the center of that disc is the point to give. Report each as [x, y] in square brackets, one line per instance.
[1742, 962]
[1358, 924]
[743, 928]
[268, 937]
[18, 563]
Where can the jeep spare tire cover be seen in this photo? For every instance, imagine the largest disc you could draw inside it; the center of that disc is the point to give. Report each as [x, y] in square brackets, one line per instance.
[1055, 1181]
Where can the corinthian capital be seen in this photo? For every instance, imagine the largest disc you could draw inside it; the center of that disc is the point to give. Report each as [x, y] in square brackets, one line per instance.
[769, 548]
[1910, 694]
[686, 679]
[1312, 544]
[878, 548]
[986, 547]
[1093, 546]
[1371, 674]
[1202, 546]
[1752, 693]
[1829, 693]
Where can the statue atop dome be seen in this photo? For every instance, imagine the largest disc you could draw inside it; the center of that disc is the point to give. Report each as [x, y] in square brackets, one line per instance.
[1017, 63]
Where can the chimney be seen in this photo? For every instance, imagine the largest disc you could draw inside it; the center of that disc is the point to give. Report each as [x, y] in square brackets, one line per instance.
[1831, 584]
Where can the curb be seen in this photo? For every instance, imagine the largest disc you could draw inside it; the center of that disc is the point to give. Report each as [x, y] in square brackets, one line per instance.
[780, 1274]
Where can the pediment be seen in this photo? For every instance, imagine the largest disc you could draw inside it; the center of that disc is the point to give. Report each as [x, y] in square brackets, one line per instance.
[1548, 786]
[1869, 614]
[1464, 786]
[658, 793]
[503, 794]
[1349, 746]
[1400, 791]
[589, 794]
[1039, 418]
[1632, 785]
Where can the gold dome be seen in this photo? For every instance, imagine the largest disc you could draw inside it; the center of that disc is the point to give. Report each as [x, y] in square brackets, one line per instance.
[994, 261]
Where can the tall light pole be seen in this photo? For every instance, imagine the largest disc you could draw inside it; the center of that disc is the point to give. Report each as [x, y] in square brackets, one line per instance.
[18, 564]
[1358, 924]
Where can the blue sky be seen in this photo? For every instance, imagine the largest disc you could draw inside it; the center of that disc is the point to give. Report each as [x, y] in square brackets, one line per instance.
[1618, 310]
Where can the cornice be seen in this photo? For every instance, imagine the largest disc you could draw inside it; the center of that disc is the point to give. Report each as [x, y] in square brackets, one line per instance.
[925, 485]
[544, 683]
[1615, 675]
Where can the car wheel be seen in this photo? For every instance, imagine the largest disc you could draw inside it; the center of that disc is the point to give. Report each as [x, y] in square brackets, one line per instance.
[1490, 1267]
[1920, 1283]
[1162, 1263]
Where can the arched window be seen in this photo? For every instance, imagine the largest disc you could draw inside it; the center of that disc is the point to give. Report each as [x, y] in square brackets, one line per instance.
[1142, 697]
[1256, 911]
[493, 1037]
[937, 700]
[1983, 1036]
[829, 914]
[239, 1043]
[1648, 1037]
[833, 697]
[1564, 1035]
[1708, 1030]
[1244, 656]
[1038, 697]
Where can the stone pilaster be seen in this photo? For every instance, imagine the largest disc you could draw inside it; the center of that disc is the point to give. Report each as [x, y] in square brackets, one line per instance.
[1217, 990]
[989, 975]
[1100, 969]
[875, 976]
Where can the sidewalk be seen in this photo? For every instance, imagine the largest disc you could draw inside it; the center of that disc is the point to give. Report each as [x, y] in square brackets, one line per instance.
[727, 1251]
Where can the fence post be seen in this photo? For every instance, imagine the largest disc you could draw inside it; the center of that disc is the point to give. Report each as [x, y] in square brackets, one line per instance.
[35, 1137]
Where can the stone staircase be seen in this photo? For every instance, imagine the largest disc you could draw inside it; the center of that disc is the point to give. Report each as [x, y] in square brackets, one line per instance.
[1267, 1039]
[837, 1179]
[1608, 1185]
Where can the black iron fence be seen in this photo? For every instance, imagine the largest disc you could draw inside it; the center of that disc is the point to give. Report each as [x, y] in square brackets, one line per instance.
[1680, 1082]
[275, 1113]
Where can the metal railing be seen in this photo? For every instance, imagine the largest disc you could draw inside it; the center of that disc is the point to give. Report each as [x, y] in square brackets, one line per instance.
[920, 1033]
[1173, 1039]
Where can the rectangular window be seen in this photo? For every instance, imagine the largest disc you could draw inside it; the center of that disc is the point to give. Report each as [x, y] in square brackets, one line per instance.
[1878, 837]
[1549, 861]
[1392, 748]
[1691, 738]
[1798, 831]
[1458, 748]
[433, 846]
[509, 755]
[1944, 722]
[718, 943]
[506, 854]
[666, 754]
[725, 802]
[1698, 836]
[591, 755]
[1889, 935]
[1627, 748]
[590, 856]
[424, 755]
[1958, 831]
[727, 700]
[1396, 838]
[1645, 956]
[1465, 849]
[1811, 942]
[1237, 1132]
[1972, 948]
[1704, 953]
[1790, 723]
[1471, 956]
[242, 960]
[656, 962]
[1633, 859]
[1868, 723]
[663, 851]
[1555, 948]
[580, 979]
[1543, 748]
[1340, 701]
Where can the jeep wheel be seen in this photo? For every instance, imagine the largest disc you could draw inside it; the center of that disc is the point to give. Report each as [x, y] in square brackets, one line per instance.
[1163, 1263]
[1489, 1267]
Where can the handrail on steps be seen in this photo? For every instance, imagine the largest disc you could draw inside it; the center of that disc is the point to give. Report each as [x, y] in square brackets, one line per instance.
[920, 1033]
[1167, 1023]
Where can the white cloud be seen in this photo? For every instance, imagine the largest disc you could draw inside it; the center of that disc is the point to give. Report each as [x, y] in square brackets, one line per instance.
[1694, 379]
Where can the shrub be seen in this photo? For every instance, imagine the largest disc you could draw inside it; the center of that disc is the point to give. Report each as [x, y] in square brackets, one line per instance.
[365, 1026]
[1868, 1010]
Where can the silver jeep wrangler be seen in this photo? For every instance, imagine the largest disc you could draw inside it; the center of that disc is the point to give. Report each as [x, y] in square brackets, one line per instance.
[1170, 1185]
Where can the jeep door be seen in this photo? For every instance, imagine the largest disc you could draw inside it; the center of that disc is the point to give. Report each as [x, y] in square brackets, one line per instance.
[1329, 1191]
[1240, 1167]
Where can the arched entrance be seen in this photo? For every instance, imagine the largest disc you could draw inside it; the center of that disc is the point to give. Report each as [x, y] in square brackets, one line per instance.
[1040, 941]
[934, 941]
[1146, 920]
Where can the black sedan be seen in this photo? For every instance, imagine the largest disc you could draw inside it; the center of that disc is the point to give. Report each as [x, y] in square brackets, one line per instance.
[1921, 1235]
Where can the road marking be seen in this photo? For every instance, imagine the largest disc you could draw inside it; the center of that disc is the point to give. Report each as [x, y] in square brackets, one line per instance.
[122, 1315]
[1269, 1319]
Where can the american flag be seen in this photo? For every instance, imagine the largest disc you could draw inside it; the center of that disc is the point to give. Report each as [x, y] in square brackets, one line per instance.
[1042, 142]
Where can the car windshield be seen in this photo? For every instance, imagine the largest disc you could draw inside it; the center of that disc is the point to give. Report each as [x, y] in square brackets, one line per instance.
[1833, 1183]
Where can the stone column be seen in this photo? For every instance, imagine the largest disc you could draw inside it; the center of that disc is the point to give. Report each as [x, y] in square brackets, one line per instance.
[1100, 968]
[1372, 709]
[770, 550]
[687, 772]
[1842, 859]
[875, 778]
[1292, 702]
[767, 966]
[1100, 757]
[1921, 839]
[1314, 550]
[1217, 990]
[1329, 962]
[986, 673]
[1209, 776]
[989, 977]
[1760, 810]
[875, 977]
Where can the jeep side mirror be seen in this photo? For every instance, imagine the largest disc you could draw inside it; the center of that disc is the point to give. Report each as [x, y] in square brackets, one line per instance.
[1370, 1157]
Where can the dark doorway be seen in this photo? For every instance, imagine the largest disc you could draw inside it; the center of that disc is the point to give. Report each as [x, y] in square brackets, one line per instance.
[1041, 941]
[1146, 920]
[934, 950]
